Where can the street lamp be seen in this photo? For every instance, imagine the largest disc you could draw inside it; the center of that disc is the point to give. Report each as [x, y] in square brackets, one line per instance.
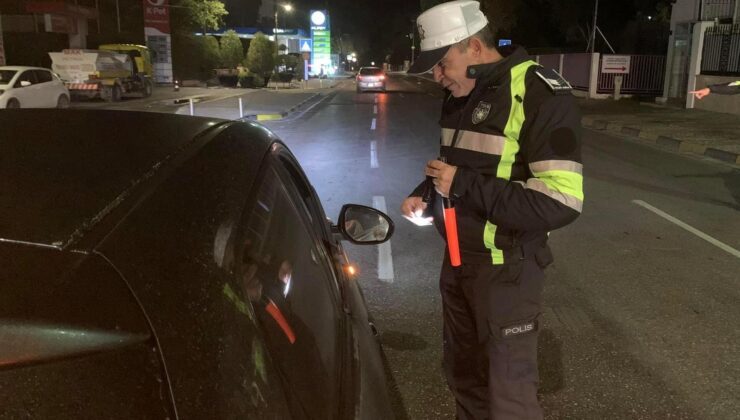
[288, 8]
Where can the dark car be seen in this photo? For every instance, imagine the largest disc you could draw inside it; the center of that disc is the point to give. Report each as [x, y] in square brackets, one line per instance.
[162, 267]
[371, 78]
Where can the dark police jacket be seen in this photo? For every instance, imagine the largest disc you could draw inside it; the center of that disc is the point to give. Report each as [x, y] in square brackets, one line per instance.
[516, 141]
[732, 88]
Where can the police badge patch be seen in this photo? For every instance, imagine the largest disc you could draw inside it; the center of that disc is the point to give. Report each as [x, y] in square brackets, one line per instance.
[481, 112]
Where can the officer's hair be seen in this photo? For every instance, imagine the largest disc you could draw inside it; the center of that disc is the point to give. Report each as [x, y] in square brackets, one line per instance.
[485, 35]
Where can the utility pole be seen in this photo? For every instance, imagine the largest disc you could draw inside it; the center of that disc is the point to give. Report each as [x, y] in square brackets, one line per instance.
[593, 29]
[413, 47]
[118, 17]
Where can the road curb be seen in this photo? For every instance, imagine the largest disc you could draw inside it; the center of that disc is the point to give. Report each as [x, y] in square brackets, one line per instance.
[666, 142]
[280, 115]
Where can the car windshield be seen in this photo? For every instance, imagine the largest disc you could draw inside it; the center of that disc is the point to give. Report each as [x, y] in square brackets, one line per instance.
[371, 72]
[6, 76]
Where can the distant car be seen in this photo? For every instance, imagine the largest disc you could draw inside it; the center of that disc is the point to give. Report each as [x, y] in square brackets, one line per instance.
[371, 78]
[176, 267]
[31, 87]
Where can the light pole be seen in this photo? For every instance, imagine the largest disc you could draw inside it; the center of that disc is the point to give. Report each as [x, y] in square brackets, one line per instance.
[413, 47]
[593, 30]
[288, 8]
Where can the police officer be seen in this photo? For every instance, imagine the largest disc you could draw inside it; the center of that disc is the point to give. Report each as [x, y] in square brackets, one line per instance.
[732, 88]
[511, 137]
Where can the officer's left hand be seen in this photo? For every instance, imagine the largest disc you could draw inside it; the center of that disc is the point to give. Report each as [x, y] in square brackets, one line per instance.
[443, 175]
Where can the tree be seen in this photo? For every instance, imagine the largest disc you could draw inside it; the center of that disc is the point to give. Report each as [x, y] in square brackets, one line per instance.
[232, 52]
[261, 56]
[206, 14]
[211, 52]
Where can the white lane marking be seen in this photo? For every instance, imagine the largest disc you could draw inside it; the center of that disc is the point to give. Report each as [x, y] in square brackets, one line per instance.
[373, 124]
[375, 109]
[385, 256]
[711, 240]
[376, 98]
[374, 154]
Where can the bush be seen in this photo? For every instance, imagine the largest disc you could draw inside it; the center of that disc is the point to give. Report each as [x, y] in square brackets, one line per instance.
[261, 56]
[232, 52]
[211, 52]
[257, 79]
[285, 77]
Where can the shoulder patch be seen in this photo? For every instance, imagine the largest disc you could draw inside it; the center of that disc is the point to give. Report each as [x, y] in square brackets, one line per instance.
[557, 84]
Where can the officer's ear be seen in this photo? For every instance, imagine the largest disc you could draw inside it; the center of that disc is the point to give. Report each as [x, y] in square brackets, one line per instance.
[475, 46]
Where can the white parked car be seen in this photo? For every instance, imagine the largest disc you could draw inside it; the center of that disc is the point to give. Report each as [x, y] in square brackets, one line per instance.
[31, 87]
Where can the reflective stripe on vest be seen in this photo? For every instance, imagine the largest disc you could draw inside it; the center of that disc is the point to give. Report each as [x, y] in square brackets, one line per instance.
[511, 147]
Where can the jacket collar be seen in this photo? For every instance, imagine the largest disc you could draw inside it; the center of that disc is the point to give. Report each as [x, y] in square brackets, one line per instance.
[495, 73]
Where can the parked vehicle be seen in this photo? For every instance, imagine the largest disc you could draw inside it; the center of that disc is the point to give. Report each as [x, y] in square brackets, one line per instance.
[110, 72]
[176, 267]
[371, 78]
[31, 87]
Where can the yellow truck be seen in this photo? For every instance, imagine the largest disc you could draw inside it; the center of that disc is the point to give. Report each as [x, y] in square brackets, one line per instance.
[110, 72]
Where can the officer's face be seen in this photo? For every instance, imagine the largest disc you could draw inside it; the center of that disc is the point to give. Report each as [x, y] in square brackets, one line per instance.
[451, 71]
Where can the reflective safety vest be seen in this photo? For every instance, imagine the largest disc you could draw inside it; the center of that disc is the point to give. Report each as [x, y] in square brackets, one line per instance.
[516, 140]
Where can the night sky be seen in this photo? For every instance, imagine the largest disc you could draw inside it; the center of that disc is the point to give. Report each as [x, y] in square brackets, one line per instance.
[378, 29]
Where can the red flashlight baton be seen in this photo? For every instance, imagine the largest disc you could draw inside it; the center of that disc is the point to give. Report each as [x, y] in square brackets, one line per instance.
[451, 227]
[453, 243]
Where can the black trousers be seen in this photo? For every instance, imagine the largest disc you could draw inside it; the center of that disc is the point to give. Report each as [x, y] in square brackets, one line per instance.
[491, 322]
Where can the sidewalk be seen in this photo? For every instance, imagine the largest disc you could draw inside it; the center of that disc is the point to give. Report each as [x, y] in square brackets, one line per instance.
[695, 131]
[262, 105]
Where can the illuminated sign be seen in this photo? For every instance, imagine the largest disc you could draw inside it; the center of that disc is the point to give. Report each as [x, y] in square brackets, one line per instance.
[321, 40]
[318, 18]
[158, 38]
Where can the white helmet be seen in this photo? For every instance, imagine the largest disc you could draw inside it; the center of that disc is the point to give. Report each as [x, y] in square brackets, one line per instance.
[445, 25]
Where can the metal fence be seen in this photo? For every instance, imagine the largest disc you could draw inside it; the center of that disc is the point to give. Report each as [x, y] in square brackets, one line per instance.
[721, 56]
[577, 70]
[718, 9]
[645, 77]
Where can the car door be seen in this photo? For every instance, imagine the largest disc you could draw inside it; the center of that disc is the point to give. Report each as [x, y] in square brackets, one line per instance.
[45, 91]
[289, 280]
[365, 393]
[25, 94]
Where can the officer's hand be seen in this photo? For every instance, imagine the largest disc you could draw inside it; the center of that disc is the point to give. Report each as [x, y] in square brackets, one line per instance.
[443, 175]
[413, 206]
[701, 93]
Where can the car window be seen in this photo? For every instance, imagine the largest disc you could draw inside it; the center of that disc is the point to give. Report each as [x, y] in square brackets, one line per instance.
[371, 71]
[297, 179]
[43, 76]
[26, 76]
[6, 76]
[283, 273]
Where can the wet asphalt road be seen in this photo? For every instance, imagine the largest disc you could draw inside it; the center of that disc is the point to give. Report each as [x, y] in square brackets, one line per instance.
[641, 311]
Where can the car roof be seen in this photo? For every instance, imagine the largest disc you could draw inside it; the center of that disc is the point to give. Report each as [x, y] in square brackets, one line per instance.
[63, 171]
[21, 68]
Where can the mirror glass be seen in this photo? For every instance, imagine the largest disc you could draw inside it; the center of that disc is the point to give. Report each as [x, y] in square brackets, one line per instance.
[364, 224]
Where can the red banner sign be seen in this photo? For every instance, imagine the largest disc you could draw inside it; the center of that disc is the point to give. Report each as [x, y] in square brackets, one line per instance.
[157, 15]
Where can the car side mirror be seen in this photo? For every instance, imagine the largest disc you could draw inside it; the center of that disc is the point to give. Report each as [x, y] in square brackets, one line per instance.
[364, 225]
[25, 83]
